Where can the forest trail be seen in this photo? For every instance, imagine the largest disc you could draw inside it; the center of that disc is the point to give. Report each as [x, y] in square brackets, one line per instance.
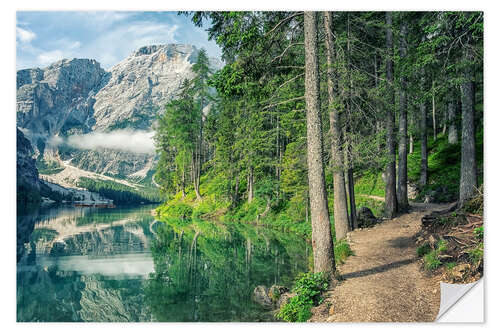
[382, 282]
[374, 197]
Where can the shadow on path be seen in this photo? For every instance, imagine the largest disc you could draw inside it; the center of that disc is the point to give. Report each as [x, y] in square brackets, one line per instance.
[379, 269]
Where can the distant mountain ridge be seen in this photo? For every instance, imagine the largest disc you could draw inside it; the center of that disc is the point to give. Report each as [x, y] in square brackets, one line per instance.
[78, 96]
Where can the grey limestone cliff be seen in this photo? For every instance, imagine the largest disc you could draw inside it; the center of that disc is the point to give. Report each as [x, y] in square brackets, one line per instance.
[77, 96]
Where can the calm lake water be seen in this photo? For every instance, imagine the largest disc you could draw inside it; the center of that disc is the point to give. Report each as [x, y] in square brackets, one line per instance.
[101, 264]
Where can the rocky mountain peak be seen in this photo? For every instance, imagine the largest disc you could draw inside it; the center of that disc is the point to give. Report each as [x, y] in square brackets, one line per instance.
[77, 96]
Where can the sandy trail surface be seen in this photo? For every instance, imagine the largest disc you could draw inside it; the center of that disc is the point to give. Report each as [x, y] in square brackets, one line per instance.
[383, 281]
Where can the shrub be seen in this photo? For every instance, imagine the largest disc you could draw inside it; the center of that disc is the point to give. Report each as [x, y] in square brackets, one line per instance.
[342, 251]
[479, 232]
[431, 259]
[178, 210]
[423, 250]
[308, 289]
[476, 254]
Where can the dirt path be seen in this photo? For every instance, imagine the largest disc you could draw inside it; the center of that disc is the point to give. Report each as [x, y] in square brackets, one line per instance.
[382, 281]
[374, 197]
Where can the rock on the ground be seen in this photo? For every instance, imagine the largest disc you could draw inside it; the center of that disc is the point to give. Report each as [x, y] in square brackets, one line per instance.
[459, 272]
[365, 217]
[261, 296]
[284, 299]
[412, 191]
[276, 291]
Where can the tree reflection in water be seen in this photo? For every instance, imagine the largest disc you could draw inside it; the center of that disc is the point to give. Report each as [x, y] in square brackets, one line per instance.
[207, 272]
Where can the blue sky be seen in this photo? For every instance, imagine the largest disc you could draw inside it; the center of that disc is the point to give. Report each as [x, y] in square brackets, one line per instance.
[45, 37]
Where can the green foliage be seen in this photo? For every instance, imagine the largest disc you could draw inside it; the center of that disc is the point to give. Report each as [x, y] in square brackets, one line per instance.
[48, 167]
[479, 232]
[376, 206]
[308, 289]
[27, 195]
[450, 265]
[477, 253]
[370, 183]
[423, 249]
[176, 211]
[342, 250]
[431, 259]
[443, 168]
[120, 193]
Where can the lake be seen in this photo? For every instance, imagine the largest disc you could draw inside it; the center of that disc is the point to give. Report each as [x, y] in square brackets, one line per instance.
[121, 265]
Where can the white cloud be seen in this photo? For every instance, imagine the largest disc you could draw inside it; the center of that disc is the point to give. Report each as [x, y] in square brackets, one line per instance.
[75, 45]
[122, 140]
[116, 44]
[104, 18]
[46, 58]
[24, 35]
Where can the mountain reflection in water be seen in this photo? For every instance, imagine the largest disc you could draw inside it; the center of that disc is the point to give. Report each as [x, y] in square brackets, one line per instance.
[98, 264]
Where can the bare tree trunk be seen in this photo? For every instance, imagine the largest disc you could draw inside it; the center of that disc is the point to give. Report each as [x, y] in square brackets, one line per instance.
[402, 192]
[410, 151]
[250, 185]
[452, 122]
[468, 166]
[339, 198]
[183, 183]
[434, 129]
[352, 198]
[236, 189]
[445, 122]
[195, 173]
[199, 154]
[391, 203]
[423, 133]
[353, 223]
[307, 207]
[320, 218]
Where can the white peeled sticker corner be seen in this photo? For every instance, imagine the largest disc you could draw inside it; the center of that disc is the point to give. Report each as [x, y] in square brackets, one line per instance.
[461, 303]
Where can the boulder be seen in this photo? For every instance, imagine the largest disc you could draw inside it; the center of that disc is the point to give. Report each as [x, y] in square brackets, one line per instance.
[261, 296]
[365, 217]
[412, 191]
[276, 291]
[284, 299]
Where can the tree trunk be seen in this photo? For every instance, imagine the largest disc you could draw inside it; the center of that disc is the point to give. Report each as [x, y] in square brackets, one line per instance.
[434, 129]
[423, 139]
[352, 198]
[353, 223]
[402, 193]
[250, 185]
[320, 218]
[468, 166]
[452, 122]
[445, 122]
[199, 153]
[339, 197]
[307, 207]
[236, 189]
[183, 183]
[391, 203]
[195, 173]
[410, 150]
